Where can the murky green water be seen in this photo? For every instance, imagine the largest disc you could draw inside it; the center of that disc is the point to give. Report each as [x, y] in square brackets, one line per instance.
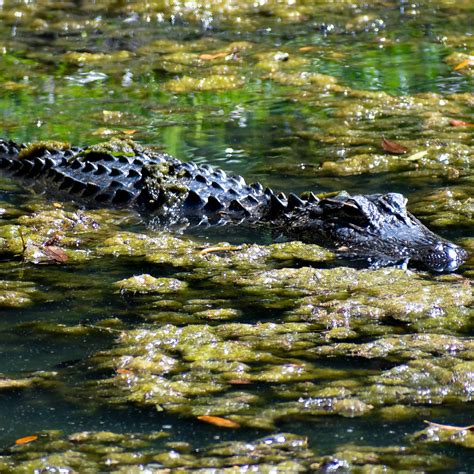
[113, 372]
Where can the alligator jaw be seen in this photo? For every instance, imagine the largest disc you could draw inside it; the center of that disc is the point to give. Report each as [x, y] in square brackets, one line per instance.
[377, 227]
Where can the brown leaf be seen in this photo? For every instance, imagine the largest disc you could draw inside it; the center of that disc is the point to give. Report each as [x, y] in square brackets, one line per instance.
[460, 123]
[239, 382]
[218, 421]
[450, 427]
[305, 49]
[393, 147]
[55, 254]
[124, 372]
[26, 439]
[129, 132]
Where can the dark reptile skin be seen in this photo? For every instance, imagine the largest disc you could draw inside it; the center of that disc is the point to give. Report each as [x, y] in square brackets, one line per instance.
[123, 181]
[376, 226]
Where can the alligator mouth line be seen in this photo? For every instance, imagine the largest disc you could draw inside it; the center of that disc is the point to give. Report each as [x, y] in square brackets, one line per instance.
[377, 227]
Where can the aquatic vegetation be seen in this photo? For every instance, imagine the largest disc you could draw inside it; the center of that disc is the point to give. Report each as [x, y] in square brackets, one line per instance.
[146, 342]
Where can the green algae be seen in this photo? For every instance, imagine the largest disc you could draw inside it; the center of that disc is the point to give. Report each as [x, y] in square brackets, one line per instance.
[114, 147]
[276, 453]
[187, 84]
[82, 58]
[148, 284]
[435, 435]
[32, 149]
[17, 294]
[253, 333]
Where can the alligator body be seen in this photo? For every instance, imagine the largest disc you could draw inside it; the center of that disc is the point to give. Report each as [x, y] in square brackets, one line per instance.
[123, 174]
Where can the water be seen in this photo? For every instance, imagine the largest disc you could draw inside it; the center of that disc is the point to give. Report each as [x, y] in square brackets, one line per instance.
[281, 126]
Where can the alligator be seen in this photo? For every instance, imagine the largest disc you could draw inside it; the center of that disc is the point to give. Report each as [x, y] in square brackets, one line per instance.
[123, 174]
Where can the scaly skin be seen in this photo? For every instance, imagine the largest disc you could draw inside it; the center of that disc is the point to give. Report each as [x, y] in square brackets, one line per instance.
[123, 174]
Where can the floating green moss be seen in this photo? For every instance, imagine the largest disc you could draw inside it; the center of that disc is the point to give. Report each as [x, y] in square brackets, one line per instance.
[148, 284]
[208, 83]
[34, 149]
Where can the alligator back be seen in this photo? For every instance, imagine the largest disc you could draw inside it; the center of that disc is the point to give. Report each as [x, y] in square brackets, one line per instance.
[123, 174]
[130, 176]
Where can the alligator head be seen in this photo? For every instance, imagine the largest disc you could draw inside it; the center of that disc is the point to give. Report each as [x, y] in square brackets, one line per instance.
[377, 227]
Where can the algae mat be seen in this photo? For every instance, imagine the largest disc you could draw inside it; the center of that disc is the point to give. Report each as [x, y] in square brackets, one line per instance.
[127, 349]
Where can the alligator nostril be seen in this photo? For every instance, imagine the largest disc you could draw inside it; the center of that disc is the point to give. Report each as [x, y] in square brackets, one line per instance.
[449, 257]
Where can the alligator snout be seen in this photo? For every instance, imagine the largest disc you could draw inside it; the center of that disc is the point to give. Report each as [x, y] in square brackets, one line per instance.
[444, 257]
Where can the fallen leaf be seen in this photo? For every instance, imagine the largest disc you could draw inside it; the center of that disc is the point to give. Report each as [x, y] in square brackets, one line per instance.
[57, 205]
[450, 427]
[416, 156]
[124, 372]
[211, 57]
[55, 254]
[26, 439]
[393, 147]
[463, 64]
[460, 123]
[239, 382]
[305, 49]
[218, 421]
[129, 132]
